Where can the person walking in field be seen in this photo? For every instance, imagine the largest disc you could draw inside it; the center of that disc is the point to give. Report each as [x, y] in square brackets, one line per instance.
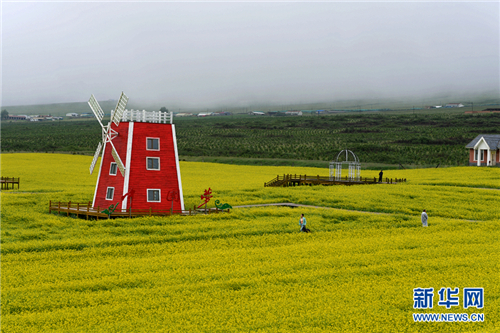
[302, 224]
[424, 219]
[380, 174]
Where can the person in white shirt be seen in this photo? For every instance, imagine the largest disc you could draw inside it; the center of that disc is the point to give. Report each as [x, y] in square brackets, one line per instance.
[424, 219]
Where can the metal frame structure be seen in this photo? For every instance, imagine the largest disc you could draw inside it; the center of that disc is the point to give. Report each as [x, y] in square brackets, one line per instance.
[354, 166]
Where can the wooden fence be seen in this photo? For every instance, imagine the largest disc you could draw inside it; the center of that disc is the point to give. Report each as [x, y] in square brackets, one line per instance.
[86, 209]
[7, 181]
[297, 180]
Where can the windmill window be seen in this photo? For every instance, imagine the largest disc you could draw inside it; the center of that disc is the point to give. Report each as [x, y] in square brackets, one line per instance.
[153, 163]
[154, 196]
[110, 193]
[113, 169]
[153, 144]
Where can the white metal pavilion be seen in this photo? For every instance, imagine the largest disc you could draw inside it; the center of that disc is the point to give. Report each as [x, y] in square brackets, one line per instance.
[345, 157]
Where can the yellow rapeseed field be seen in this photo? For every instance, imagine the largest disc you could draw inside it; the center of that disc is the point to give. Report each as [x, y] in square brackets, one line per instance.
[249, 270]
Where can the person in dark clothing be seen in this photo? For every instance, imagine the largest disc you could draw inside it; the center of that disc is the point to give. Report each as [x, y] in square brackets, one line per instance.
[380, 175]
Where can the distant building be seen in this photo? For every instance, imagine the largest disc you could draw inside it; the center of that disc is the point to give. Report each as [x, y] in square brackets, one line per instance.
[454, 105]
[293, 113]
[484, 150]
[19, 117]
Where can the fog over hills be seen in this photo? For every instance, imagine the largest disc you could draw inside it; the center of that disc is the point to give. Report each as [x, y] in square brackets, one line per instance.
[198, 55]
[60, 109]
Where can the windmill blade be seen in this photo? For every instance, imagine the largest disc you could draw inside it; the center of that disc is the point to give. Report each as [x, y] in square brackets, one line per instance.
[111, 134]
[117, 159]
[120, 107]
[96, 156]
[96, 108]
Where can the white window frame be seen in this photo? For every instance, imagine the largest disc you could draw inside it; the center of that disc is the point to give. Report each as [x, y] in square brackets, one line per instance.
[111, 168]
[153, 189]
[148, 138]
[147, 167]
[112, 193]
[475, 154]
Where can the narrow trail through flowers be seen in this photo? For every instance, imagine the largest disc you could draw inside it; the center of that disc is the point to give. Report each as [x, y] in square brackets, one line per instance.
[294, 205]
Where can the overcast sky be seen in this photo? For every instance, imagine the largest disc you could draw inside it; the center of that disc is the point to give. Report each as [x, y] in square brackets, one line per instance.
[206, 54]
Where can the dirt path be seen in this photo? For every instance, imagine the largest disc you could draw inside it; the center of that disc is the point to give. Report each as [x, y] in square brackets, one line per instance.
[294, 205]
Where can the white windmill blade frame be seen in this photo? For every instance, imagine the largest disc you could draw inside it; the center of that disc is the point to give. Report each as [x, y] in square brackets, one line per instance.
[117, 159]
[96, 156]
[111, 134]
[96, 108]
[120, 107]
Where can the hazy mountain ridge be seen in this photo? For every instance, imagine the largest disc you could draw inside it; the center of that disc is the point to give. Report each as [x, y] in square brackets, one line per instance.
[60, 109]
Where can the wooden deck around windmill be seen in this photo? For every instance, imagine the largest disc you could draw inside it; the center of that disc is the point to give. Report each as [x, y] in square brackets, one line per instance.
[85, 210]
[298, 180]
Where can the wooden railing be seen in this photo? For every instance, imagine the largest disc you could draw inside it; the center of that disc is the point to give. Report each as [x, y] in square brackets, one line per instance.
[6, 181]
[86, 209]
[292, 180]
[273, 181]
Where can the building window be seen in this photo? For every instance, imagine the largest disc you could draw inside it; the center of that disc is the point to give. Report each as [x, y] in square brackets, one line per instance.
[475, 155]
[110, 193]
[154, 196]
[153, 163]
[153, 144]
[113, 168]
[482, 154]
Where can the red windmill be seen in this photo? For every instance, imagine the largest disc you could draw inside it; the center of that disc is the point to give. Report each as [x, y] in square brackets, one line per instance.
[142, 146]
